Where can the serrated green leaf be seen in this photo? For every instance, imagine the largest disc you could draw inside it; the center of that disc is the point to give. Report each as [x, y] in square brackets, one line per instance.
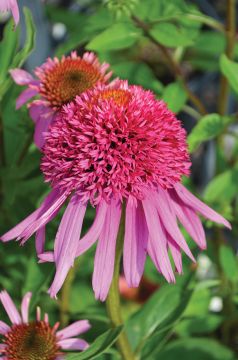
[99, 346]
[118, 36]
[207, 128]
[230, 71]
[175, 96]
[229, 263]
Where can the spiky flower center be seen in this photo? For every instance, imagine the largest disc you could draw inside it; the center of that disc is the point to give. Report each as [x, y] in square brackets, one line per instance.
[118, 141]
[119, 96]
[66, 79]
[33, 341]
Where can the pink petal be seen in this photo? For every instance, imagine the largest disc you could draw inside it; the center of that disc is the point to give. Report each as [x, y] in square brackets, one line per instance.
[135, 244]
[4, 328]
[26, 95]
[105, 253]
[190, 220]
[176, 254]
[25, 307]
[40, 240]
[22, 77]
[168, 219]
[190, 200]
[73, 344]
[41, 128]
[36, 110]
[93, 233]
[157, 245]
[49, 209]
[47, 256]
[66, 241]
[31, 221]
[10, 308]
[74, 329]
[12, 5]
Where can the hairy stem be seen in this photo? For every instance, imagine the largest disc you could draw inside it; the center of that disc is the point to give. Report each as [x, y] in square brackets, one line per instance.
[172, 64]
[230, 44]
[113, 299]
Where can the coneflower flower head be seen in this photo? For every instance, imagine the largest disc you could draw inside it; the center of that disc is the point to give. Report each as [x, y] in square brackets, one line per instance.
[57, 83]
[10, 5]
[116, 144]
[36, 340]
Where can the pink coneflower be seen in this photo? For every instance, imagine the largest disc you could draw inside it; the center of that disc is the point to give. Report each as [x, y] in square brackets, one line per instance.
[10, 5]
[36, 340]
[57, 83]
[109, 147]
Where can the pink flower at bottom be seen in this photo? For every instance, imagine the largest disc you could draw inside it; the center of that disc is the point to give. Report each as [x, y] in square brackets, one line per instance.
[28, 340]
[57, 83]
[117, 147]
[10, 5]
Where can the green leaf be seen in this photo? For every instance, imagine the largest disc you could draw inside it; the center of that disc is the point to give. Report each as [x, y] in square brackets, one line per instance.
[199, 325]
[223, 187]
[139, 74]
[99, 346]
[29, 45]
[230, 71]
[175, 96]
[118, 36]
[159, 312]
[171, 35]
[196, 349]
[20, 57]
[228, 262]
[207, 128]
[8, 47]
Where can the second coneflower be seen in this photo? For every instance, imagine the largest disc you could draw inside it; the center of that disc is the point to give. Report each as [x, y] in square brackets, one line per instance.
[57, 83]
[115, 146]
[36, 340]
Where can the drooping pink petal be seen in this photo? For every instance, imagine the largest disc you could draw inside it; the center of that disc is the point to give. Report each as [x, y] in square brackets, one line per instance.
[18, 230]
[168, 218]
[105, 253]
[4, 328]
[50, 208]
[40, 240]
[26, 95]
[67, 240]
[73, 344]
[47, 256]
[176, 254]
[25, 307]
[190, 220]
[36, 110]
[157, 244]
[95, 230]
[41, 128]
[22, 77]
[190, 200]
[74, 329]
[10, 308]
[135, 243]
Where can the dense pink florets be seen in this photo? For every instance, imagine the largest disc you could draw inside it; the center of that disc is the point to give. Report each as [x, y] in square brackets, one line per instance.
[115, 141]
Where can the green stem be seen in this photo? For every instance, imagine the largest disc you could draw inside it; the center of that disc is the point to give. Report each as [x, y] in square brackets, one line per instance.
[230, 44]
[64, 303]
[113, 299]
